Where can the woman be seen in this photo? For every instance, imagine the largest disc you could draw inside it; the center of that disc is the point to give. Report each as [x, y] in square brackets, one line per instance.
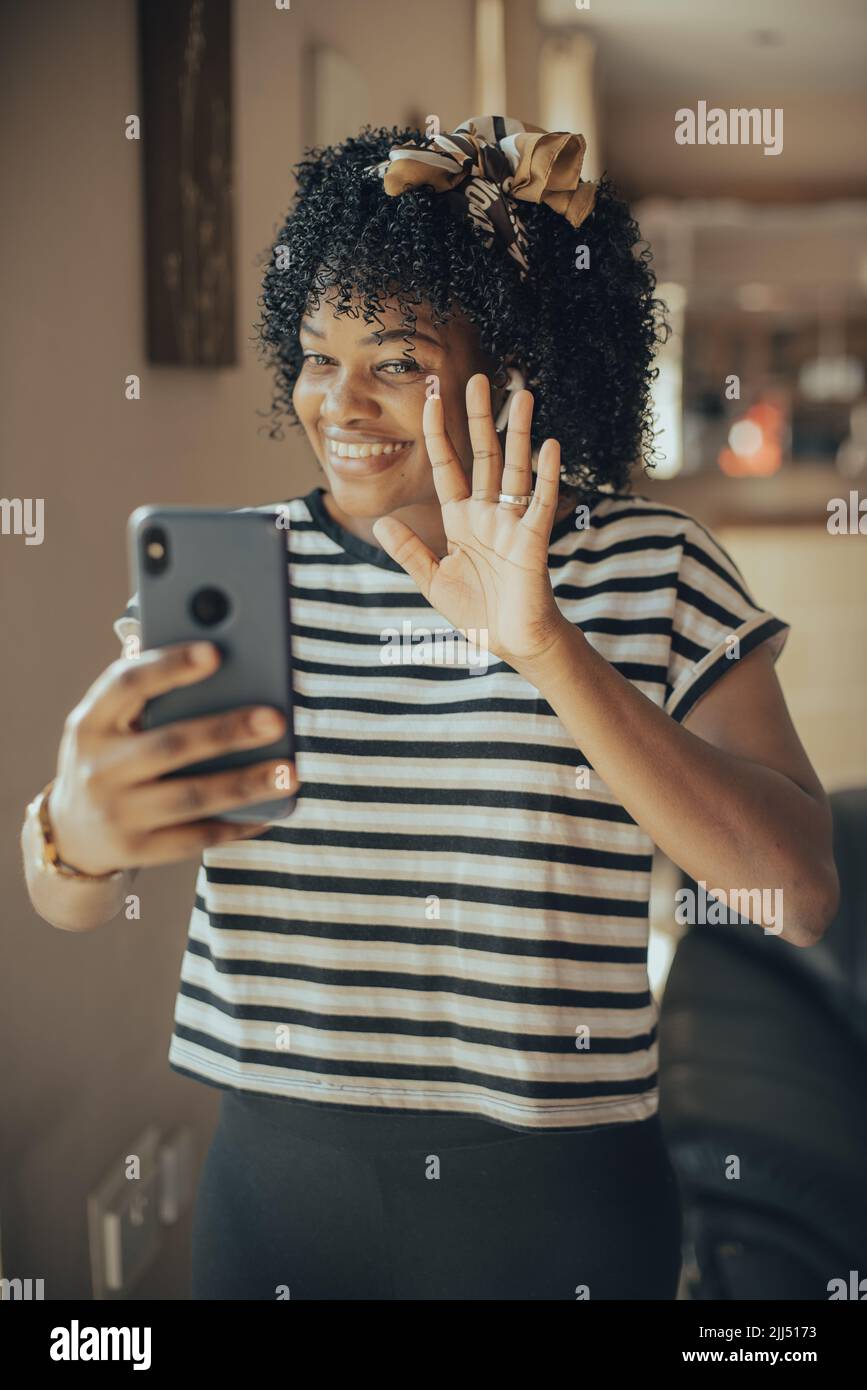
[424, 995]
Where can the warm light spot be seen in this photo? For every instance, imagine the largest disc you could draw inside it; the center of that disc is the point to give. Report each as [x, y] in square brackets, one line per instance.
[745, 438]
[755, 448]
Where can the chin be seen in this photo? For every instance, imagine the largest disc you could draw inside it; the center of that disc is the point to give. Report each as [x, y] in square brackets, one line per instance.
[371, 495]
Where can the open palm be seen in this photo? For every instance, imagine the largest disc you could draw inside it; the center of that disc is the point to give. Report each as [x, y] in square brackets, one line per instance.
[494, 579]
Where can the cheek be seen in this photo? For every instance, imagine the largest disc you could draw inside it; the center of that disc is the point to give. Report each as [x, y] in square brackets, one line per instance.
[406, 412]
[403, 412]
[305, 402]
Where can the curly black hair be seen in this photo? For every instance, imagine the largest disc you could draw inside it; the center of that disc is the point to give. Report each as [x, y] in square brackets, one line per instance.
[584, 338]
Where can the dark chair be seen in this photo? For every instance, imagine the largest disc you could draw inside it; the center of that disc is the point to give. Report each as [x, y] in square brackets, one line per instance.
[763, 1056]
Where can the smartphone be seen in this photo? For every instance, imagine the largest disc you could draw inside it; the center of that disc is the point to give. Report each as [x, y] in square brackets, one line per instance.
[222, 577]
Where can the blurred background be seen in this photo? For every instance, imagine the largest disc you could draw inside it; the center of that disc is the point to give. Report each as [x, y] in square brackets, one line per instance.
[146, 154]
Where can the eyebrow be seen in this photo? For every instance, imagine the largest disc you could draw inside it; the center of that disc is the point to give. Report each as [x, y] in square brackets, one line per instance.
[377, 338]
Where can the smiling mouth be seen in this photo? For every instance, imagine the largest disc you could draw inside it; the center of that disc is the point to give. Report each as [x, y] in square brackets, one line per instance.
[370, 449]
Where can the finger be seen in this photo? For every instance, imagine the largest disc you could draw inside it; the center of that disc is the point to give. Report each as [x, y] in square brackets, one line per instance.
[409, 550]
[450, 480]
[534, 531]
[487, 458]
[154, 752]
[518, 470]
[177, 800]
[118, 696]
[189, 841]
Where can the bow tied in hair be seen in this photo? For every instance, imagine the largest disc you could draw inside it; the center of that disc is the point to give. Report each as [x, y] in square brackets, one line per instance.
[487, 167]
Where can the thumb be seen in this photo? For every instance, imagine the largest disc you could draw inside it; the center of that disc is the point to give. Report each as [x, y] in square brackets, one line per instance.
[408, 549]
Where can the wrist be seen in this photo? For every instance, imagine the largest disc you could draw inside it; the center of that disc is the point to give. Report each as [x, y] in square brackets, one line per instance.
[50, 860]
[543, 668]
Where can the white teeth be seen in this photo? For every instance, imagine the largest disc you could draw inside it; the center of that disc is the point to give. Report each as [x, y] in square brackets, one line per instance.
[362, 451]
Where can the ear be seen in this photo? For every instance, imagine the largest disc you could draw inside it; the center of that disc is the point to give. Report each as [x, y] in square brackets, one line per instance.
[502, 390]
[517, 381]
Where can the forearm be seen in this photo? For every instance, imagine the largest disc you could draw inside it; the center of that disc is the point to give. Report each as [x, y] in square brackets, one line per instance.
[65, 903]
[726, 821]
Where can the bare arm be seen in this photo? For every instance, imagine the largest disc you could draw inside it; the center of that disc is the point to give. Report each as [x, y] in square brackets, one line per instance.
[733, 800]
[64, 903]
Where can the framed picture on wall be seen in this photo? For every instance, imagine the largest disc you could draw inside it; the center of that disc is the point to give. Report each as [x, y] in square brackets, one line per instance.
[186, 106]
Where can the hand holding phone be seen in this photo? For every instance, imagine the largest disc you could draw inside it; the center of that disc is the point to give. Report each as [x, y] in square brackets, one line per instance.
[124, 798]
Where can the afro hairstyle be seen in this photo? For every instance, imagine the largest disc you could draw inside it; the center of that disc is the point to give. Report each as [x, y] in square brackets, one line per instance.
[584, 338]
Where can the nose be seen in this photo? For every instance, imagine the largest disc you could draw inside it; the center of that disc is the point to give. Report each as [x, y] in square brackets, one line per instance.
[348, 401]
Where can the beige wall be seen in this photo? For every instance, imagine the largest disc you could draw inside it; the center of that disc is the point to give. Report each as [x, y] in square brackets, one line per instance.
[817, 582]
[86, 1020]
[821, 134]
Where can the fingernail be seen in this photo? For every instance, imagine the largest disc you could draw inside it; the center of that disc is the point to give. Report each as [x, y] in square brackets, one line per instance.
[201, 653]
[267, 721]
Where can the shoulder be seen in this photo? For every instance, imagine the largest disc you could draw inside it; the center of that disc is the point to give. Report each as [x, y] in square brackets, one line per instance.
[631, 514]
[627, 524]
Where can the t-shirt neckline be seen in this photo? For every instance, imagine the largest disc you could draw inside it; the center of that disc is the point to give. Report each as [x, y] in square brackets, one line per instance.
[372, 554]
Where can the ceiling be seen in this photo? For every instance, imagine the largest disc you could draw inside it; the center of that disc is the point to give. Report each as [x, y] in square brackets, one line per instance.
[723, 47]
[807, 57]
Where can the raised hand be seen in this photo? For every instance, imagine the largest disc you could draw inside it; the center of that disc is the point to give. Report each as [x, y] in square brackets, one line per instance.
[494, 579]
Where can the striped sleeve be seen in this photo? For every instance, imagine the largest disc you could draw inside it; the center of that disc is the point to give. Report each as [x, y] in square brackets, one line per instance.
[127, 625]
[716, 622]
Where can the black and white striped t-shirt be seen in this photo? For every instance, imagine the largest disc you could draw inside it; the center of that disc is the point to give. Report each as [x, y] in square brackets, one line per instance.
[455, 917]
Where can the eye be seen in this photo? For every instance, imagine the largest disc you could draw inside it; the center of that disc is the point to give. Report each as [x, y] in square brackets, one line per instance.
[404, 366]
[407, 366]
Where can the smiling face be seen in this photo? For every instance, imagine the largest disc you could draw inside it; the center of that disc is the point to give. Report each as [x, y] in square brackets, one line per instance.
[361, 402]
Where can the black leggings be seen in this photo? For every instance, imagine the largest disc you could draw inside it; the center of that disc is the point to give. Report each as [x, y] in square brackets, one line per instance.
[299, 1201]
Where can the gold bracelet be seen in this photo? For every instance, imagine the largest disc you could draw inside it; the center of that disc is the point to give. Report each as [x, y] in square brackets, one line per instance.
[50, 859]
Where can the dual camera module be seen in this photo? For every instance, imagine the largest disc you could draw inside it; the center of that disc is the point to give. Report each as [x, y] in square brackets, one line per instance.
[208, 606]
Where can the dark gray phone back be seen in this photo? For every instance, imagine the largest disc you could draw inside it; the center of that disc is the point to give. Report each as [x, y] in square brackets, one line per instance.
[223, 578]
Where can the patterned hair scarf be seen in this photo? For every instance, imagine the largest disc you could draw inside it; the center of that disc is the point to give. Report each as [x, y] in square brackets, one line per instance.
[487, 164]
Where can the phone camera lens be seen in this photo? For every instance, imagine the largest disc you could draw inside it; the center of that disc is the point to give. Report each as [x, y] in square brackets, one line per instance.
[156, 550]
[209, 606]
